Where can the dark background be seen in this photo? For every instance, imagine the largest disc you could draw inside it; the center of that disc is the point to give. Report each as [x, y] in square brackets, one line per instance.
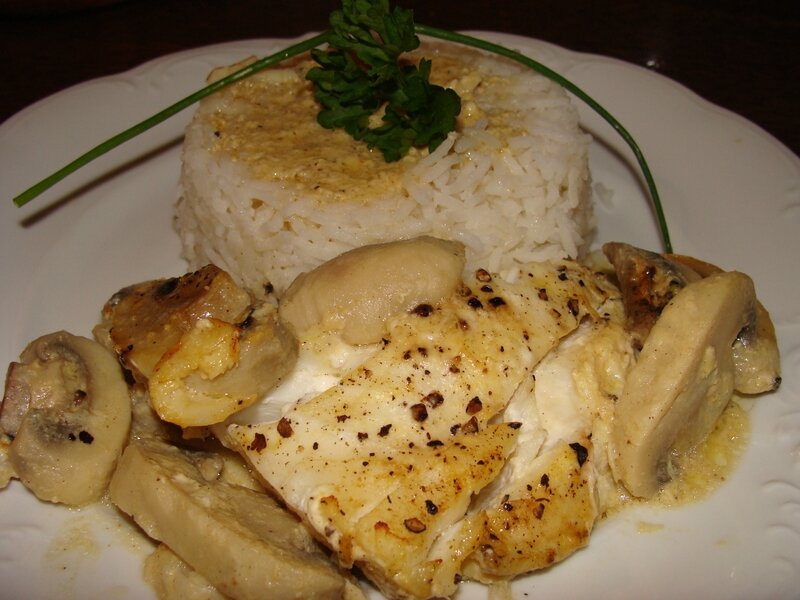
[740, 55]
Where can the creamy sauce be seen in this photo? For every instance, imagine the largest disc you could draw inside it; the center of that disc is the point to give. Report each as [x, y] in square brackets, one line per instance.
[325, 357]
[323, 360]
[648, 527]
[701, 472]
[708, 466]
[79, 543]
[72, 547]
[269, 123]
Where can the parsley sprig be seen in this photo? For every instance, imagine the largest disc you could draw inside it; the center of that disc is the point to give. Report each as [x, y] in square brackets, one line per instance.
[362, 74]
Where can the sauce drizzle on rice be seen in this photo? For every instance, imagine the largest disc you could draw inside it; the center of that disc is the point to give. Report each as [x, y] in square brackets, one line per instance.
[267, 193]
[270, 128]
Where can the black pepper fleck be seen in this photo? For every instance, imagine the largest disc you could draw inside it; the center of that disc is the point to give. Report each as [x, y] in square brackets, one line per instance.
[259, 443]
[419, 412]
[581, 452]
[434, 399]
[573, 306]
[248, 322]
[284, 427]
[422, 310]
[474, 406]
[483, 276]
[414, 525]
[473, 302]
[471, 426]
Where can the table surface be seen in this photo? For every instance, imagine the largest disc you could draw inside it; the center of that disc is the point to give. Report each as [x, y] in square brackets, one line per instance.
[737, 55]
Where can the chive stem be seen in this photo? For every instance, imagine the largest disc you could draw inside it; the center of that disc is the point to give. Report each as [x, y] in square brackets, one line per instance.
[165, 114]
[467, 40]
[320, 39]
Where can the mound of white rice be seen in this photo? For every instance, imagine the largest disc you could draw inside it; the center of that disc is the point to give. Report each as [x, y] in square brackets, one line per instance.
[266, 193]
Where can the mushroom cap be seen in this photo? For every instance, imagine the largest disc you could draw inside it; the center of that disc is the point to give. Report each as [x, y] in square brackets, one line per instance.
[755, 353]
[682, 381]
[71, 416]
[358, 291]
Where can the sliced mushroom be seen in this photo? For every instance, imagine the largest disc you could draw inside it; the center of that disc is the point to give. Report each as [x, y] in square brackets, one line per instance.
[173, 579]
[6, 468]
[755, 353]
[67, 408]
[238, 539]
[357, 292]
[198, 343]
[683, 380]
[648, 281]
[142, 321]
[218, 368]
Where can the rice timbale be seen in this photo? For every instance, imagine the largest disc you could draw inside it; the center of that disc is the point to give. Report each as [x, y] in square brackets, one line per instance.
[267, 193]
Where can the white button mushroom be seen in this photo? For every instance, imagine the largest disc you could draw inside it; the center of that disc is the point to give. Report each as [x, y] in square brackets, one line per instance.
[683, 379]
[755, 353]
[199, 343]
[358, 291]
[67, 408]
[240, 540]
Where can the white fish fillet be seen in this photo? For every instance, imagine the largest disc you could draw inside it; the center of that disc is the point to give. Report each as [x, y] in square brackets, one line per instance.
[384, 465]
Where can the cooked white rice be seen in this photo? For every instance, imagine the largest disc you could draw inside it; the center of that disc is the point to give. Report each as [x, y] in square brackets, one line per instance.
[512, 183]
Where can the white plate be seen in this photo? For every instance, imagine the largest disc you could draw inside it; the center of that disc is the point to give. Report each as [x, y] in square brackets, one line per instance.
[732, 196]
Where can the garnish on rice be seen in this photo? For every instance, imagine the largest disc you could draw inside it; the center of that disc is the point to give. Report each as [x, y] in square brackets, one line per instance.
[362, 74]
[406, 121]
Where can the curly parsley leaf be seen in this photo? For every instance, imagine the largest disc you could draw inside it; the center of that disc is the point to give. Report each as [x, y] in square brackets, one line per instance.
[361, 74]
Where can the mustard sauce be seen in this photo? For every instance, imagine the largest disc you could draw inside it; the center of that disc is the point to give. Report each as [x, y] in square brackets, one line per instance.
[269, 123]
